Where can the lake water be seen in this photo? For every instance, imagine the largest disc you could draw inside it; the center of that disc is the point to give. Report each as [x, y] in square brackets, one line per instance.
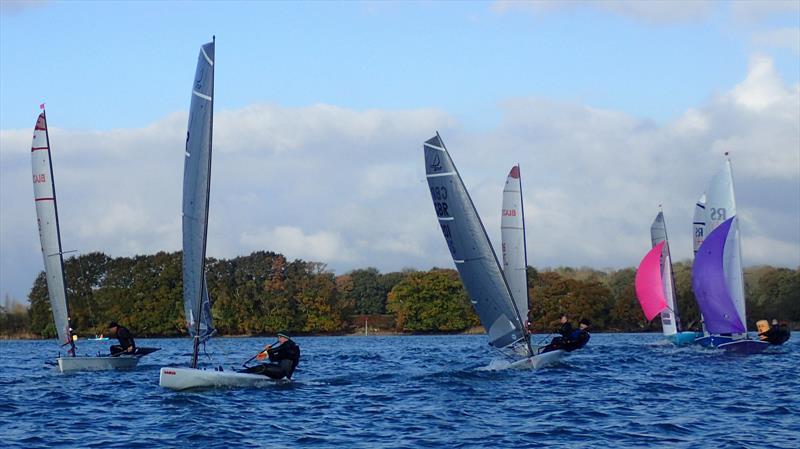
[622, 390]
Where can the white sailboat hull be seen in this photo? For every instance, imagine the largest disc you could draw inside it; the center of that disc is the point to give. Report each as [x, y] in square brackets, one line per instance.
[66, 364]
[539, 360]
[187, 378]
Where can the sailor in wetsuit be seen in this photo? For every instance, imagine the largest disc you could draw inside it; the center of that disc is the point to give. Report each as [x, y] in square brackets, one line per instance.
[570, 339]
[777, 334]
[283, 359]
[126, 344]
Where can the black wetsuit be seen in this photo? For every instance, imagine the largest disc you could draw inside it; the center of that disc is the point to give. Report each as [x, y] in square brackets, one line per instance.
[570, 340]
[776, 335]
[125, 341]
[565, 330]
[577, 339]
[283, 361]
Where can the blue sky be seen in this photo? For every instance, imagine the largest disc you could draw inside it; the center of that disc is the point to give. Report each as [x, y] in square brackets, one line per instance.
[120, 64]
[611, 107]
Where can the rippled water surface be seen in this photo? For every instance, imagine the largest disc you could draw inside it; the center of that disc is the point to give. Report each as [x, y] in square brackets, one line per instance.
[622, 390]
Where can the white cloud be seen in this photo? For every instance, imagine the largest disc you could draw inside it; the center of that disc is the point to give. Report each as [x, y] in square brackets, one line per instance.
[347, 187]
[654, 11]
[762, 88]
[13, 7]
[323, 246]
[788, 38]
[761, 10]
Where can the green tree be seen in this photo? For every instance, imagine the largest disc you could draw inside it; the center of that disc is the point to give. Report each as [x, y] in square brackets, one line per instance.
[431, 301]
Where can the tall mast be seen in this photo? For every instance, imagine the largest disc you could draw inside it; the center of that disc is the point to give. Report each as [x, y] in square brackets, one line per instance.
[525, 252]
[58, 234]
[204, 288]
[502, 275]
[671, 273]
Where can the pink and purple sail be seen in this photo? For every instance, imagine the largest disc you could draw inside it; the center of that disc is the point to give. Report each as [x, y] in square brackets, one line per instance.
[710, 286]
[649, 287]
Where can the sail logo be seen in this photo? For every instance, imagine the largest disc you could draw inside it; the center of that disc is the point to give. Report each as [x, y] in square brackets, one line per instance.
[436, 164]
[38, 179]
[509, 212]
[717, 214]
[198, 83]
[698, 232]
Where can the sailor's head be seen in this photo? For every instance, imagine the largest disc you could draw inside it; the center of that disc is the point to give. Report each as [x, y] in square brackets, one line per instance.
[564, 318]
[283, 336]
[585, 323]
[113, 326]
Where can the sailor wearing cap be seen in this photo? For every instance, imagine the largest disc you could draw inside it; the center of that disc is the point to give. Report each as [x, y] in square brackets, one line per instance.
[284, 355]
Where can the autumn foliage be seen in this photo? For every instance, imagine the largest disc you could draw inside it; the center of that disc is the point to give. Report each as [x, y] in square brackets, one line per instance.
[264, 292]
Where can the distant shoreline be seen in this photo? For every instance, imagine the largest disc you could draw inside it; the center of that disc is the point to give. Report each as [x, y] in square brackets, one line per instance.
[372, 333]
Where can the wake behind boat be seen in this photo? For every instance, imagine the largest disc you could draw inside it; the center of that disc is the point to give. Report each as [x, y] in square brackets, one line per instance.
[196, 189]
[44, 190]
[488, 288]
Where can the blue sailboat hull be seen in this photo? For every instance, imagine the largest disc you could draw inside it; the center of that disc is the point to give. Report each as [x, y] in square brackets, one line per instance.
[728, 343]
[684, 338]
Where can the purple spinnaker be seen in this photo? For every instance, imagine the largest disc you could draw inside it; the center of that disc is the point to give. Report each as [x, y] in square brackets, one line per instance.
[710, 286]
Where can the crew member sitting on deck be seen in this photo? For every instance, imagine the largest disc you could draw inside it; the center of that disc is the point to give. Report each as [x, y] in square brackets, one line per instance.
[776, 335]
[126, 344]
[579, 337]
[570, 339]
[283, 359]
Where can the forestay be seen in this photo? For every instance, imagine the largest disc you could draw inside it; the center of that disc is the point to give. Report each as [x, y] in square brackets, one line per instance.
[196, 186]
[44, 191]
[470, 247]
[512, 226]
[669, 315]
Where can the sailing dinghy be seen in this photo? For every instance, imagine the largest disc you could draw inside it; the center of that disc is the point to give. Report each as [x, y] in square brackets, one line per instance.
[717, 277]
[196, 189]
[44, 192]
[655, 286]
[475, 259]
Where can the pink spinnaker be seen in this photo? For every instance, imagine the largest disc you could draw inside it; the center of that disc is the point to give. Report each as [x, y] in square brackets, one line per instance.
[649, 286]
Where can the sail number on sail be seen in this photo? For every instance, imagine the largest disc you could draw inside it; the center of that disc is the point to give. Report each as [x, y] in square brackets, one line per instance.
[439, 195]
[38, 179]
[717, 214]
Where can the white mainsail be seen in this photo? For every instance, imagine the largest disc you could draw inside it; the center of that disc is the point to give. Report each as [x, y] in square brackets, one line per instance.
[44, 191]
[720, 206]
[196, 189]
[669, 316]
[512, 228]
[470, 248]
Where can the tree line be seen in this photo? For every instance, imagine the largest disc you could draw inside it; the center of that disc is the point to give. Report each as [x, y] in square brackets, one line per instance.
[264, 292]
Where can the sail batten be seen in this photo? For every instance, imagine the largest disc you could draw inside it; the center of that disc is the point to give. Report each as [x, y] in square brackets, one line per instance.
[470, 248]
[44, 192]
[196, 192]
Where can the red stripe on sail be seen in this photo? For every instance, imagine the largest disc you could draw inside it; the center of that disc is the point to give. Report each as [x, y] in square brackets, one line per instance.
[45, 199]
[39, 148]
